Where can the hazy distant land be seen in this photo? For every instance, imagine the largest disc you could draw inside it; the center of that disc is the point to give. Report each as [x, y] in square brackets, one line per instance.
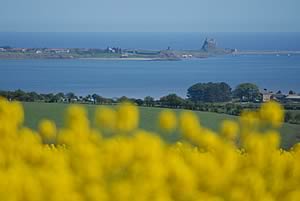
[208, 49]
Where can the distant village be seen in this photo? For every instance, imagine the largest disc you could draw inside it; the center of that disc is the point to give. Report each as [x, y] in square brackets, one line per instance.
[209, 48]
[291, 97]
[63, 52]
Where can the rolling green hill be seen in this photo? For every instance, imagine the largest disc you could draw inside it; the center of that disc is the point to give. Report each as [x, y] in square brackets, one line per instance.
[37, 111]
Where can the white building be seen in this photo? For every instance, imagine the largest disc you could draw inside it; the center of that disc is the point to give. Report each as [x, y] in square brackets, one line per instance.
[293, 98]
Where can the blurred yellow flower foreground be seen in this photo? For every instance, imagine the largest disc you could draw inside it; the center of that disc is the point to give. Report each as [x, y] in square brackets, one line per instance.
[112, 160]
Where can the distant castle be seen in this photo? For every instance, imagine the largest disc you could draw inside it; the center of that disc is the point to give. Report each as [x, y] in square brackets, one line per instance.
[209, 44]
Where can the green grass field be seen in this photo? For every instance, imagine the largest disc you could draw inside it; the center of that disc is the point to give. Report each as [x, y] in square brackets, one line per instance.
[37, 111]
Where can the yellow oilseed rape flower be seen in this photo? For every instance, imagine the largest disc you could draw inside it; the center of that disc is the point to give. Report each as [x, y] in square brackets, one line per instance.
[17, 113]
[167, 120]
[47, 130]
[296, 147]
[249, 120]
[106, 118]
[95, 192]
[239, 194]
[229, 129]
[272, 140]
[121, 190]
[253, 143]
[189, 125]
[209, 139]
[11, 116]
[127, 117]
[76, 119]
[293, 196]
[272, 112]
[84, 166]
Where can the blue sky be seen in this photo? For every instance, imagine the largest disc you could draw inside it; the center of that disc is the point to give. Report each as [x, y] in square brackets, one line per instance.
[150, 15]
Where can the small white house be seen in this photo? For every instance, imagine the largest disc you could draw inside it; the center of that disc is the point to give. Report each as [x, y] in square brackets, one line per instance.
[111, 50]
[124, 55]
[293, 97]
[61, 51]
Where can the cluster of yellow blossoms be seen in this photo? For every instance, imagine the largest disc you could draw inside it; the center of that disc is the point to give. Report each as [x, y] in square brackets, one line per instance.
[111, 159]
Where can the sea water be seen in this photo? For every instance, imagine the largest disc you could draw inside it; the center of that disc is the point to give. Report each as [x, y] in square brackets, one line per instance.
[154, 78]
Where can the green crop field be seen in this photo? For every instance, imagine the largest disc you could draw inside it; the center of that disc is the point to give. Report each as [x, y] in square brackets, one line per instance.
[34, 112]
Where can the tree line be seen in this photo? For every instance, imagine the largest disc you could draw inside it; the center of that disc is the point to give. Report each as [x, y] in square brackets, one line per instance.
[210, 97]
[200, 92]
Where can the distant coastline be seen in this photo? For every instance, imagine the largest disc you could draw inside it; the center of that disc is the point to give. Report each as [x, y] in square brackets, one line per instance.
[268, 52]
[209, 48]
[120, 59]
[165, 55]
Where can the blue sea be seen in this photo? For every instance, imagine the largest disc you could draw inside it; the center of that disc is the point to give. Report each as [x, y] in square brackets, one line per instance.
[142, 78]
[155, 78]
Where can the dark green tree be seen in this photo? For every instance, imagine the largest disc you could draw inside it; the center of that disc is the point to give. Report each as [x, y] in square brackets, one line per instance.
[98, 99]
[124, 99]
[59, 97]
[172, 100]
[209, 92]
[71, 96]
[139, 102]
[149, 101]
[49, 97]
[20, 95]
[247, 92]
[33, 96]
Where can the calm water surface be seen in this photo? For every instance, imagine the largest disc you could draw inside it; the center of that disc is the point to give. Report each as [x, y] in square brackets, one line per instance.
[142, 78]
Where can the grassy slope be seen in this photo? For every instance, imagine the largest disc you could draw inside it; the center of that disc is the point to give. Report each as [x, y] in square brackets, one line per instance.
[36, 111]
